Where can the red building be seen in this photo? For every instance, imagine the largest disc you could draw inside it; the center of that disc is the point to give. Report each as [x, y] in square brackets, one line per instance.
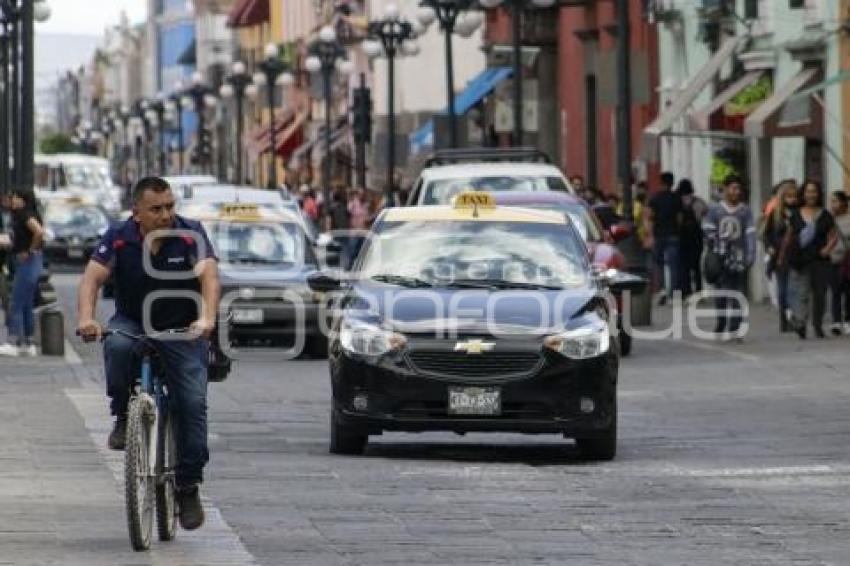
[575, 71]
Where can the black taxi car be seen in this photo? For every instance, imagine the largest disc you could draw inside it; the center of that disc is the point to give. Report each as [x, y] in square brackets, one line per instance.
[264, 261]
[474, 318]
[73, 226]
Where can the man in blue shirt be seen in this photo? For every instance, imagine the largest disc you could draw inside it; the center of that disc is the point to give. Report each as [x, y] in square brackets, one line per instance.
[156, 253]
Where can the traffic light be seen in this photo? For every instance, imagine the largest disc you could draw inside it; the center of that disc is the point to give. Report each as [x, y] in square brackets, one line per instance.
[205, 144]
[362, 111]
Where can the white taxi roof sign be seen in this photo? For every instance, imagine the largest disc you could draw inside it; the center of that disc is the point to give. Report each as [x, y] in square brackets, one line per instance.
[475, 199]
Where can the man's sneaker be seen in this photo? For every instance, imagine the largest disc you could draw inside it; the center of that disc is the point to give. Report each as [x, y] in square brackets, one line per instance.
[835, 329]
[189, 508]
[118, 436]
[9, 350]
[29, 351]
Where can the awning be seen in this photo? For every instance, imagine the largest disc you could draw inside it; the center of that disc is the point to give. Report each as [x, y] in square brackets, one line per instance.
[768, 115]
[287, 141]
[837, 79]
[190, 56]
[479, 87]
[258, 139]
[700, 118]
[247, 13]
[339, 140]
[698, 83]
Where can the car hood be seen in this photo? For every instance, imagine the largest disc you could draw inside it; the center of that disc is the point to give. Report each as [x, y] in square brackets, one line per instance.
[427, 311]
[242, 275]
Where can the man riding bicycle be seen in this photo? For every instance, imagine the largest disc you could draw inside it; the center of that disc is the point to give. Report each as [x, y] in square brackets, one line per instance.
[165, 272]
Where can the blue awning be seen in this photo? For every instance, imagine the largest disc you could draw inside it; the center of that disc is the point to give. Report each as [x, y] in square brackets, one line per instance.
[479, 87]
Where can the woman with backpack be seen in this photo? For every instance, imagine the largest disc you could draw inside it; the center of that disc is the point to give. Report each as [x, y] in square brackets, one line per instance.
[808, 247]
[773, 235]
[840, 257]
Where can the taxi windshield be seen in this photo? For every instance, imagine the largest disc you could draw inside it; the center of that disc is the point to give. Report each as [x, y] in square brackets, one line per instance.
[67, 216]
[257, 243]
[477, 253]
[441, 191]
[579, 215]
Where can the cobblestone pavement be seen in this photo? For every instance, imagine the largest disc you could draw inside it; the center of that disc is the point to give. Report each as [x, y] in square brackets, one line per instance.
[728, 454]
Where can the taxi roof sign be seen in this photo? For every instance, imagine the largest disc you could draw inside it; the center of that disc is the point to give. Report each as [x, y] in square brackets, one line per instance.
[240, 209]
[475, 199]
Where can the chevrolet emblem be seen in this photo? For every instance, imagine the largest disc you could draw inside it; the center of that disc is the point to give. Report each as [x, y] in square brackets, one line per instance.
[474, 346]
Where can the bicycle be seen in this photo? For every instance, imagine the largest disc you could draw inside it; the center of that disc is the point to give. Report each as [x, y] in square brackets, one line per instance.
[150, 451]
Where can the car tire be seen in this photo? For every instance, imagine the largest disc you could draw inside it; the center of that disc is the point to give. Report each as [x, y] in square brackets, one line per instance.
[625, 343]
[317, 347]
[343, 441]
[602, 447]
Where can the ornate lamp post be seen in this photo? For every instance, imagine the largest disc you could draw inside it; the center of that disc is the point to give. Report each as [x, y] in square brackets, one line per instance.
[156, 116]
[237, 83]
[200, 96]
[453, 16]
[326, 55]
[272, 72]
[390, 35]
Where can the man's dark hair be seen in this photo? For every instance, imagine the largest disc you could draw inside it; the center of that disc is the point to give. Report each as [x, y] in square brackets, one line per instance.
[155, 184]
[686, 187]
[731, 179]
[841, 197]
[668, 179]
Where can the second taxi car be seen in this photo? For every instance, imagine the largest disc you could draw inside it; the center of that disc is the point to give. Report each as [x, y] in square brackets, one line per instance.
[264, 262]
[473, 318]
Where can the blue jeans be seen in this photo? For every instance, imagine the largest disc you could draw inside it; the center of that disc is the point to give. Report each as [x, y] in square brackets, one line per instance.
[667, 255]
[185, 366]
[21, 319]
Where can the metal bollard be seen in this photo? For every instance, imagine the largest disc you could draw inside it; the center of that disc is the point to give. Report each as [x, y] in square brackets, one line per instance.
[52, 323]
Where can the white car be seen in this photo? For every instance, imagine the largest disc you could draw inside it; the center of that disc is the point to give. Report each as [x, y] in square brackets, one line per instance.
[452, 172]
[86, 176]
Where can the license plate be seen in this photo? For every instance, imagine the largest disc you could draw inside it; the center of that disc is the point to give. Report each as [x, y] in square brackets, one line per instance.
[248, 316]
[475, 401]
[75, 252]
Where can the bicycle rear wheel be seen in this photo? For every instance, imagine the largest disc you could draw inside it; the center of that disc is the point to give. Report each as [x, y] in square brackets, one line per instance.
[166, 461]
[138, 483]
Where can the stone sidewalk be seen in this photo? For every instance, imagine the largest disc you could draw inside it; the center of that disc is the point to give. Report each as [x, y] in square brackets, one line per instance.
[61, 494]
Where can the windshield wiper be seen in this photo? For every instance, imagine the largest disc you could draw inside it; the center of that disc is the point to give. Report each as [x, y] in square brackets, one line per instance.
[500, 284]
[402, 281]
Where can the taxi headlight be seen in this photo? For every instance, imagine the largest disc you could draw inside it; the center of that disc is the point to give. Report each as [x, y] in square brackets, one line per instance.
[364, 339]
[581, 343]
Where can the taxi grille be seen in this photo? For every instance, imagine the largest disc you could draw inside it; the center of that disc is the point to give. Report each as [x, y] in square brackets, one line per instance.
[487, 366]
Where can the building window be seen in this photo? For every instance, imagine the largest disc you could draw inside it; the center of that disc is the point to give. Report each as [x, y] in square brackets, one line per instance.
[751, 9]
[793, 4]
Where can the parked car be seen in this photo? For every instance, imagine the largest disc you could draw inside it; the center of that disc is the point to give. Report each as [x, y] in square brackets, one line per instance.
[73, 228]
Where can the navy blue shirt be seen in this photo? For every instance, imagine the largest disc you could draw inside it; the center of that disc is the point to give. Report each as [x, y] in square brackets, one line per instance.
[169, 272]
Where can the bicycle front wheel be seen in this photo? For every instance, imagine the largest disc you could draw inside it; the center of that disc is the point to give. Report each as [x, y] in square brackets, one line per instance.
[166, 461]
[138, 483]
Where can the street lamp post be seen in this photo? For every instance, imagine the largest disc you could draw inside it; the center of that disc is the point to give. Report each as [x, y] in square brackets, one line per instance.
[453, 15]
[272, 72]
[237, 83]
[516, 9]
[156, 114]
[201, 97]
[4, 104]
[174, 105]
[325, 56]
[390, 35]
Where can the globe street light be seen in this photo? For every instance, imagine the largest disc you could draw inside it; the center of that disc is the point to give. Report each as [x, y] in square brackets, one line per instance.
[177, 101]
[234, 87]
[516, 8]
[389, 35]
[200, 96]
[327, 55]
[449, 14]
[272, 71]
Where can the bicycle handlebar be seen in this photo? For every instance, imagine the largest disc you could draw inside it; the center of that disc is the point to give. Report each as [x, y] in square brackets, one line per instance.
[163, 333]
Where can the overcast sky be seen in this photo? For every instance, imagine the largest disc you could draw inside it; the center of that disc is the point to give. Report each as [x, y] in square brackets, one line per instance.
[90, 17]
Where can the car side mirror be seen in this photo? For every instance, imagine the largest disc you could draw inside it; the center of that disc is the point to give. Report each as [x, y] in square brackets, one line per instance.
[323, 282]
[619, 282]
[620, 231]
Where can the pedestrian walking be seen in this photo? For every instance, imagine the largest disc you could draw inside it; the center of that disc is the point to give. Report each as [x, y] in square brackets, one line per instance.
[361, 216]
[338, 219]
[730, 233]
[664, 219]
[840, 259]
[773, 232]
[808, 247]
[27, 240]
[694, 210]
